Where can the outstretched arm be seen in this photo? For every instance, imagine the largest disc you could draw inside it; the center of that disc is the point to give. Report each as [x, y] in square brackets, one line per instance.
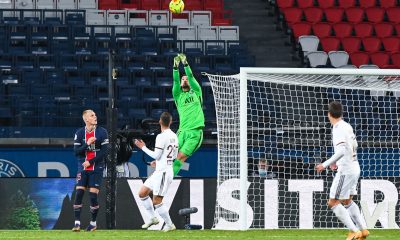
[192, 80]
[176, 87]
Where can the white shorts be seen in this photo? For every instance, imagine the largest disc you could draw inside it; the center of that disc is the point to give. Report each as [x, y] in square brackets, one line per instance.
[343, 186]
[159, 182]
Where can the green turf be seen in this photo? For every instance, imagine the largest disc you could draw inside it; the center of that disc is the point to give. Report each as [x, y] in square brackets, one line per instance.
[189, 235]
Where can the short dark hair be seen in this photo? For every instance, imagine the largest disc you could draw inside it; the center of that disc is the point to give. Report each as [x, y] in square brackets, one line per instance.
[166, 119]
[182, 75]
[335, 109]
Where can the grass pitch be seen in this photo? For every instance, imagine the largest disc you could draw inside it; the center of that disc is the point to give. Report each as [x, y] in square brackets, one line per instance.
[194, 235]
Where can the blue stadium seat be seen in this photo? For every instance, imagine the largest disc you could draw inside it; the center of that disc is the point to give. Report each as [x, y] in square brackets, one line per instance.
[25, 61]
[54, 76]
[40, 90]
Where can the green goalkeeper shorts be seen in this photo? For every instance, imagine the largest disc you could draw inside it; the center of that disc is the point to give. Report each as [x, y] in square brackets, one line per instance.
[190, 141]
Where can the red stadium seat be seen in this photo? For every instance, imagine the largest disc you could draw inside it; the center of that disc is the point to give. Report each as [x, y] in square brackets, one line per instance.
[347, 3]
[133, 4]
[150, 5]
[367, 3]
[334, 15]
[359, 58]
[301, 28]
[371, 44]
[292, 15]
[213, 5]
[194, 5]
[395, 59]
[322, 30]
[305, 3]
[393, 14]
[381, 59]
[375, 14]
[108, 4]
[383, 29]
[285, 3]
[343, 29]
[326, 3]
[222, 18]
[388, 3]
[354, 14]
[397, 28]
[391, 44]
[330, 44]
[351, 44]
[363, 29]
[313, 14]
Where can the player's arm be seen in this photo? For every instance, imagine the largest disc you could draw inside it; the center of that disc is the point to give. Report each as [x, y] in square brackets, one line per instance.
[79, 147]
[192, 80]
[339, 153]
[158, 149]
[103, 149]
[176, 87]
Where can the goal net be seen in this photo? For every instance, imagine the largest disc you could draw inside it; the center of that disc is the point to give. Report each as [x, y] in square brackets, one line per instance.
[273, 129]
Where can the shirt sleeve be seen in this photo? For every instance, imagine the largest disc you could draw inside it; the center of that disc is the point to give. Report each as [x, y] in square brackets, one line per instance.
[192, 80]
[176, 87]
[158, 149]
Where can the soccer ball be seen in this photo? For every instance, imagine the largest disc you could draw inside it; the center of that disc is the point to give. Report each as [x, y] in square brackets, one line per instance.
[176, 6]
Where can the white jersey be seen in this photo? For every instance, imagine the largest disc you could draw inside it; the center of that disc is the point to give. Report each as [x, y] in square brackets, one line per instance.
[167, 142]
[343, 134]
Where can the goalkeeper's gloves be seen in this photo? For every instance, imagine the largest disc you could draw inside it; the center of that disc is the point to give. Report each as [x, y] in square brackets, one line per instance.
[177, 59]
[183, 59]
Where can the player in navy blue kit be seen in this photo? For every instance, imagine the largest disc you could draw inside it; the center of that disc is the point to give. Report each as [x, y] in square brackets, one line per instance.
[90, 147]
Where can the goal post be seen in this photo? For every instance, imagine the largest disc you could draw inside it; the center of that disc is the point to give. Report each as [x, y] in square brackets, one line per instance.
[273, 128]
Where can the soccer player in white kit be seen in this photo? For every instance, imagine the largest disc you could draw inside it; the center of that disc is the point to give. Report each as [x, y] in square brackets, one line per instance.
[165, 151]
[344, 185]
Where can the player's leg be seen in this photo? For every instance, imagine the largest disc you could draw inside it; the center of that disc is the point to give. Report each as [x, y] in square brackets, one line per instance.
[147, 203]
[353, 208]
[81, 183]
[158, 195]
[339, 191]
[189, 142]
[95, 179]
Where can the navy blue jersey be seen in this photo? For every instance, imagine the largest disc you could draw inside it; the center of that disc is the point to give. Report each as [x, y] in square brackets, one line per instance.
[94, 153]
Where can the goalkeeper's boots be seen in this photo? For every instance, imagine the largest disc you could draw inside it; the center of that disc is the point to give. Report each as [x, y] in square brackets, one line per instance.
[354, 235]
[76, 228]
[91, 228]
[153, 221]
[168, 228]
[365, 234]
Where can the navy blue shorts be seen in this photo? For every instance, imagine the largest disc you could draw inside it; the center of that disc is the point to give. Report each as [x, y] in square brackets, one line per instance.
[89, 179]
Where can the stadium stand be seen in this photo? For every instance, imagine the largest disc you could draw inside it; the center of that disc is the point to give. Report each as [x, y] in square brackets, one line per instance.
[55, 56]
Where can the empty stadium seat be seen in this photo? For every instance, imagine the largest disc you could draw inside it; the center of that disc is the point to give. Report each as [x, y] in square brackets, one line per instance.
[322, 29]
[363, 29]
[334, 15]
[305, 3]
[313, 14]
[393, 14]
[330, 44]
[292, 15]
[308, 43]
[391, 44]
[367, 3]
[338, 58]
[342, 29]
[317, 58]
[375, 14]
[346, 3]
[354, 14]
[383, 29]
[359, 58]
[381, 59]
[301, 28]
[371, 44]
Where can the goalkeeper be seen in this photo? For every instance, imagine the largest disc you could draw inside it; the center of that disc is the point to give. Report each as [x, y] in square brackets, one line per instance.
[188, 98]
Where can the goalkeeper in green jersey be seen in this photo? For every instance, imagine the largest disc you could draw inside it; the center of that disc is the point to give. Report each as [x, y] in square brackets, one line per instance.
[189, 103]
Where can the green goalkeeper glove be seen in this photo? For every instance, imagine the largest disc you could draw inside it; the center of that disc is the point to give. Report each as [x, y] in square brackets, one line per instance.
[177, 59]
[183, 58]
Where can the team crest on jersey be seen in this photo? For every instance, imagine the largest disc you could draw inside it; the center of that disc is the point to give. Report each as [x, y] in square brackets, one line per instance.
[10, 169]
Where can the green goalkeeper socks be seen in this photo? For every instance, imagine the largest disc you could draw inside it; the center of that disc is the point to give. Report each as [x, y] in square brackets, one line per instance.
[177, 166]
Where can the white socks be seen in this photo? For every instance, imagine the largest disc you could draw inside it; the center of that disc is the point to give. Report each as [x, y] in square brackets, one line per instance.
[93, 223]
[344, 217]
[355, 215]
[160, 208]
[148, 205]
